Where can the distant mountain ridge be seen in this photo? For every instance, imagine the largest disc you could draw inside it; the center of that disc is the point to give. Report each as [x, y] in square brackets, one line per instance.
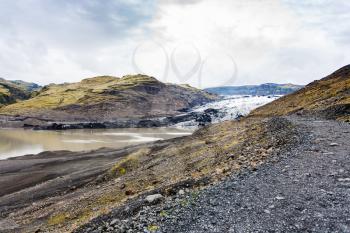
[263, 89]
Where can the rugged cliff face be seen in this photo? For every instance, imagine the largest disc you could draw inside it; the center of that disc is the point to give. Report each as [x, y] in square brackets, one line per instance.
[107, 98]
[328, 97]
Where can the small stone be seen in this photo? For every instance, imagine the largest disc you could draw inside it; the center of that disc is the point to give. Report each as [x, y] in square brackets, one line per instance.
[114, 221]
[181, 192]
[129, 192]
[219, 170]
[280, 198]
[267, 211]
[344, 179]
[328, 153]
[154, 198]
[334, 144]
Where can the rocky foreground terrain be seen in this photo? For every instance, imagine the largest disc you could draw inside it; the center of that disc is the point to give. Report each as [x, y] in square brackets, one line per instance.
[103, 99]
[304, 187]
[275, 170]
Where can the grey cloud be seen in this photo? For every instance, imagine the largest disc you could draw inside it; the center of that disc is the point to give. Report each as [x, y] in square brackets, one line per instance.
[181, 2]
[72, 22]
[77, 29]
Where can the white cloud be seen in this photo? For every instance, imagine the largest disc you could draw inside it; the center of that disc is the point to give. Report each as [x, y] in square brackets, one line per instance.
[268, 41]
[271, 41]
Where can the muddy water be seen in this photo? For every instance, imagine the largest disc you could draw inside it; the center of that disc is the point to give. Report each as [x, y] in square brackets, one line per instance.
[17, 142]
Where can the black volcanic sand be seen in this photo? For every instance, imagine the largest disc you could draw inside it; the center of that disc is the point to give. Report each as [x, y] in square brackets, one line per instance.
[31, 172]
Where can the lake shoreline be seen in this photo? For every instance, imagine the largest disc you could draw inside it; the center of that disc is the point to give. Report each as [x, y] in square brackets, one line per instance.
[200, 118]
[18, 142]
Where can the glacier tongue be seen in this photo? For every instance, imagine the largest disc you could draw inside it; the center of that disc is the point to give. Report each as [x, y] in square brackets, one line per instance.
[229, 108]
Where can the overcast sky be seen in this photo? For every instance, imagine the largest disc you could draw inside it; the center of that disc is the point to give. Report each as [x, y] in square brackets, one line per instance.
[200, 42]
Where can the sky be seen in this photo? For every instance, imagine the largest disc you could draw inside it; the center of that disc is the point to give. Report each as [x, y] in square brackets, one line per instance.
[204, 43]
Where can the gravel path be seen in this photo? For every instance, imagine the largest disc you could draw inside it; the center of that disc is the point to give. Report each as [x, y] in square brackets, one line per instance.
[307, 189]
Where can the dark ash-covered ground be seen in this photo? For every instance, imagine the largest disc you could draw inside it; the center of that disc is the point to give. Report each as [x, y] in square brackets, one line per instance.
[304, 188]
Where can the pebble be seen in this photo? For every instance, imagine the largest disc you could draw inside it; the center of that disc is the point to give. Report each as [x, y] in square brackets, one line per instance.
[344, 179]
[267, 211]
[114, 221]
[334, 144]
[154, 198]
[328, 153]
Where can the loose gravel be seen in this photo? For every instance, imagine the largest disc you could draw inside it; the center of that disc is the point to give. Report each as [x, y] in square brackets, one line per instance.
[304, 189]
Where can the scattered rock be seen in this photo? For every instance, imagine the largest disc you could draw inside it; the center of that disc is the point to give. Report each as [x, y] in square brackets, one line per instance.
[153, 199]
[344, 179]
[114, 221]
[129, 192]
[267, 211]
[328, 153]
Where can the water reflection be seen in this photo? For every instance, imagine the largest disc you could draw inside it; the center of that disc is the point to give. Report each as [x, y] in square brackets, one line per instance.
[17, 142]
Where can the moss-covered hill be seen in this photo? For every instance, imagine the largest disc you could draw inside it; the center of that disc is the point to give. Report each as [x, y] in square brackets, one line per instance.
[108, 98]
[328, 97]
[13, 91]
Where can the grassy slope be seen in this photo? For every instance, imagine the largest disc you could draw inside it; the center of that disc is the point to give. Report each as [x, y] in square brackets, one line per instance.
[53, 96]
[103, 89]
[327, 94]
[11, 92]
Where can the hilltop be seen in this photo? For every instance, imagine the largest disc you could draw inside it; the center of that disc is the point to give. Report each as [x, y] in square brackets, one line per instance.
[107, 98]
[260, 90]
[328, 97]
[14, 91]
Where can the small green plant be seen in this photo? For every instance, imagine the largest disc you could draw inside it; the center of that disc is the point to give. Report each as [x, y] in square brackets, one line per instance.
[122, 171]
[152, 228]
[127, 164]
[163, 213]
[184, 202]
[57, 219]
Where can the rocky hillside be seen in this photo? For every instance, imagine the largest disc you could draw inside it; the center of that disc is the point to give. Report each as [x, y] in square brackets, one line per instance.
[71, 188]
[14, 91]
[328, 97]
[61, 191]
[261, 90]
[106, 98]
